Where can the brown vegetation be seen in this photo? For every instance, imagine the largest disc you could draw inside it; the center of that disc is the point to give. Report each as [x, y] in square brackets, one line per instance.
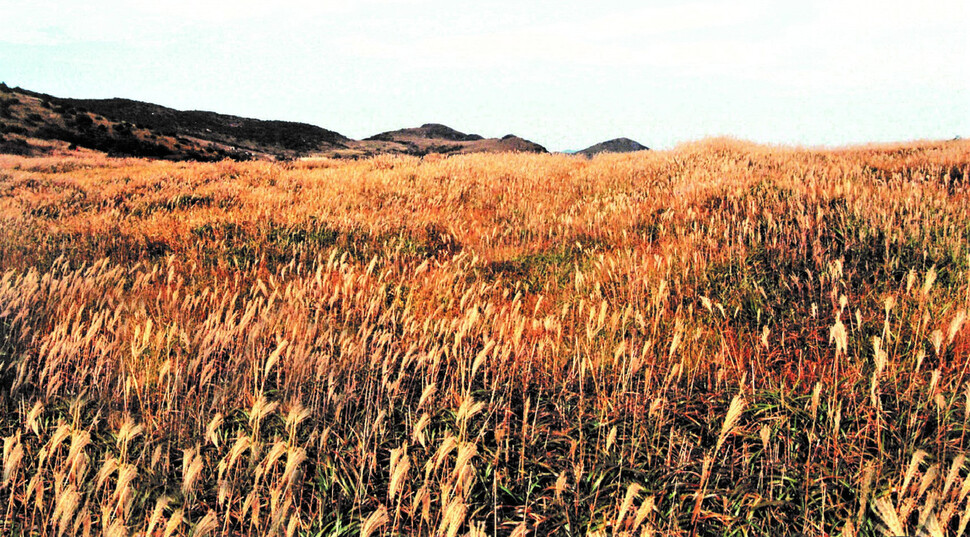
[723, 339]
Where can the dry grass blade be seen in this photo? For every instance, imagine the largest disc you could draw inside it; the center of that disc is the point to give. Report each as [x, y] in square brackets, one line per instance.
[207, 525]
[631, 493]
[13, 453]
[887, 513]
[734, 412]
[376, 520]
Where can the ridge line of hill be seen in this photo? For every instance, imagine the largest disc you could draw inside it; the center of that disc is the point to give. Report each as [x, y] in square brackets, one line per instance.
[34, 123]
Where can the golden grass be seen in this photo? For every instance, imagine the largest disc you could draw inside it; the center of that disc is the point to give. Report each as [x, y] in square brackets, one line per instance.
[722, 339]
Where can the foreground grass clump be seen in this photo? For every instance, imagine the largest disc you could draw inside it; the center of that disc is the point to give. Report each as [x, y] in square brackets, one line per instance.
[723, 339]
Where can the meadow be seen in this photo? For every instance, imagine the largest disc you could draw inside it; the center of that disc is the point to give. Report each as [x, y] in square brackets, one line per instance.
[720, 339]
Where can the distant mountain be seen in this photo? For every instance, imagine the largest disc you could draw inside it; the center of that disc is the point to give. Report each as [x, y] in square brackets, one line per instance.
[437, 138]
[616, 145]
[429, 131]
[37, 124]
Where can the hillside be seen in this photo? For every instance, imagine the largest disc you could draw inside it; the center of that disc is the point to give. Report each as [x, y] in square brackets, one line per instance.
[252, 134]
[437, 138]
[428, 131]
[35, 123]
[616, 145]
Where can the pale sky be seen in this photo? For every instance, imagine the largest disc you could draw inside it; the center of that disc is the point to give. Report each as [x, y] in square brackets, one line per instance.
[561, 73]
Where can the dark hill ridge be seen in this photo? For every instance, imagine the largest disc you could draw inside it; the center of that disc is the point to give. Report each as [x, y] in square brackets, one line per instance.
[616, 145]
[123, 127]
[34, 123]
[429, 131]
[438, 138]
[285, 135]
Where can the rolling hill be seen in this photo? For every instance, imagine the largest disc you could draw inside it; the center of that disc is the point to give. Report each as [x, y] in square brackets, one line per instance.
[616, 145]
[437, 138]
[34, 123]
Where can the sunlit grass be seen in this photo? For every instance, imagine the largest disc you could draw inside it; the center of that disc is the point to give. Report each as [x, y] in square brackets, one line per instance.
[722, 339]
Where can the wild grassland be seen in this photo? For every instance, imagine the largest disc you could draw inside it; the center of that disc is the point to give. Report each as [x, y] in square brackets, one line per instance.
[723, 339]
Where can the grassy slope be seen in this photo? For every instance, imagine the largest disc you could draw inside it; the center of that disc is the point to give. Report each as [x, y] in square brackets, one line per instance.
[37, 124]
[723, 339]
[256, 135]
[133, 128]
